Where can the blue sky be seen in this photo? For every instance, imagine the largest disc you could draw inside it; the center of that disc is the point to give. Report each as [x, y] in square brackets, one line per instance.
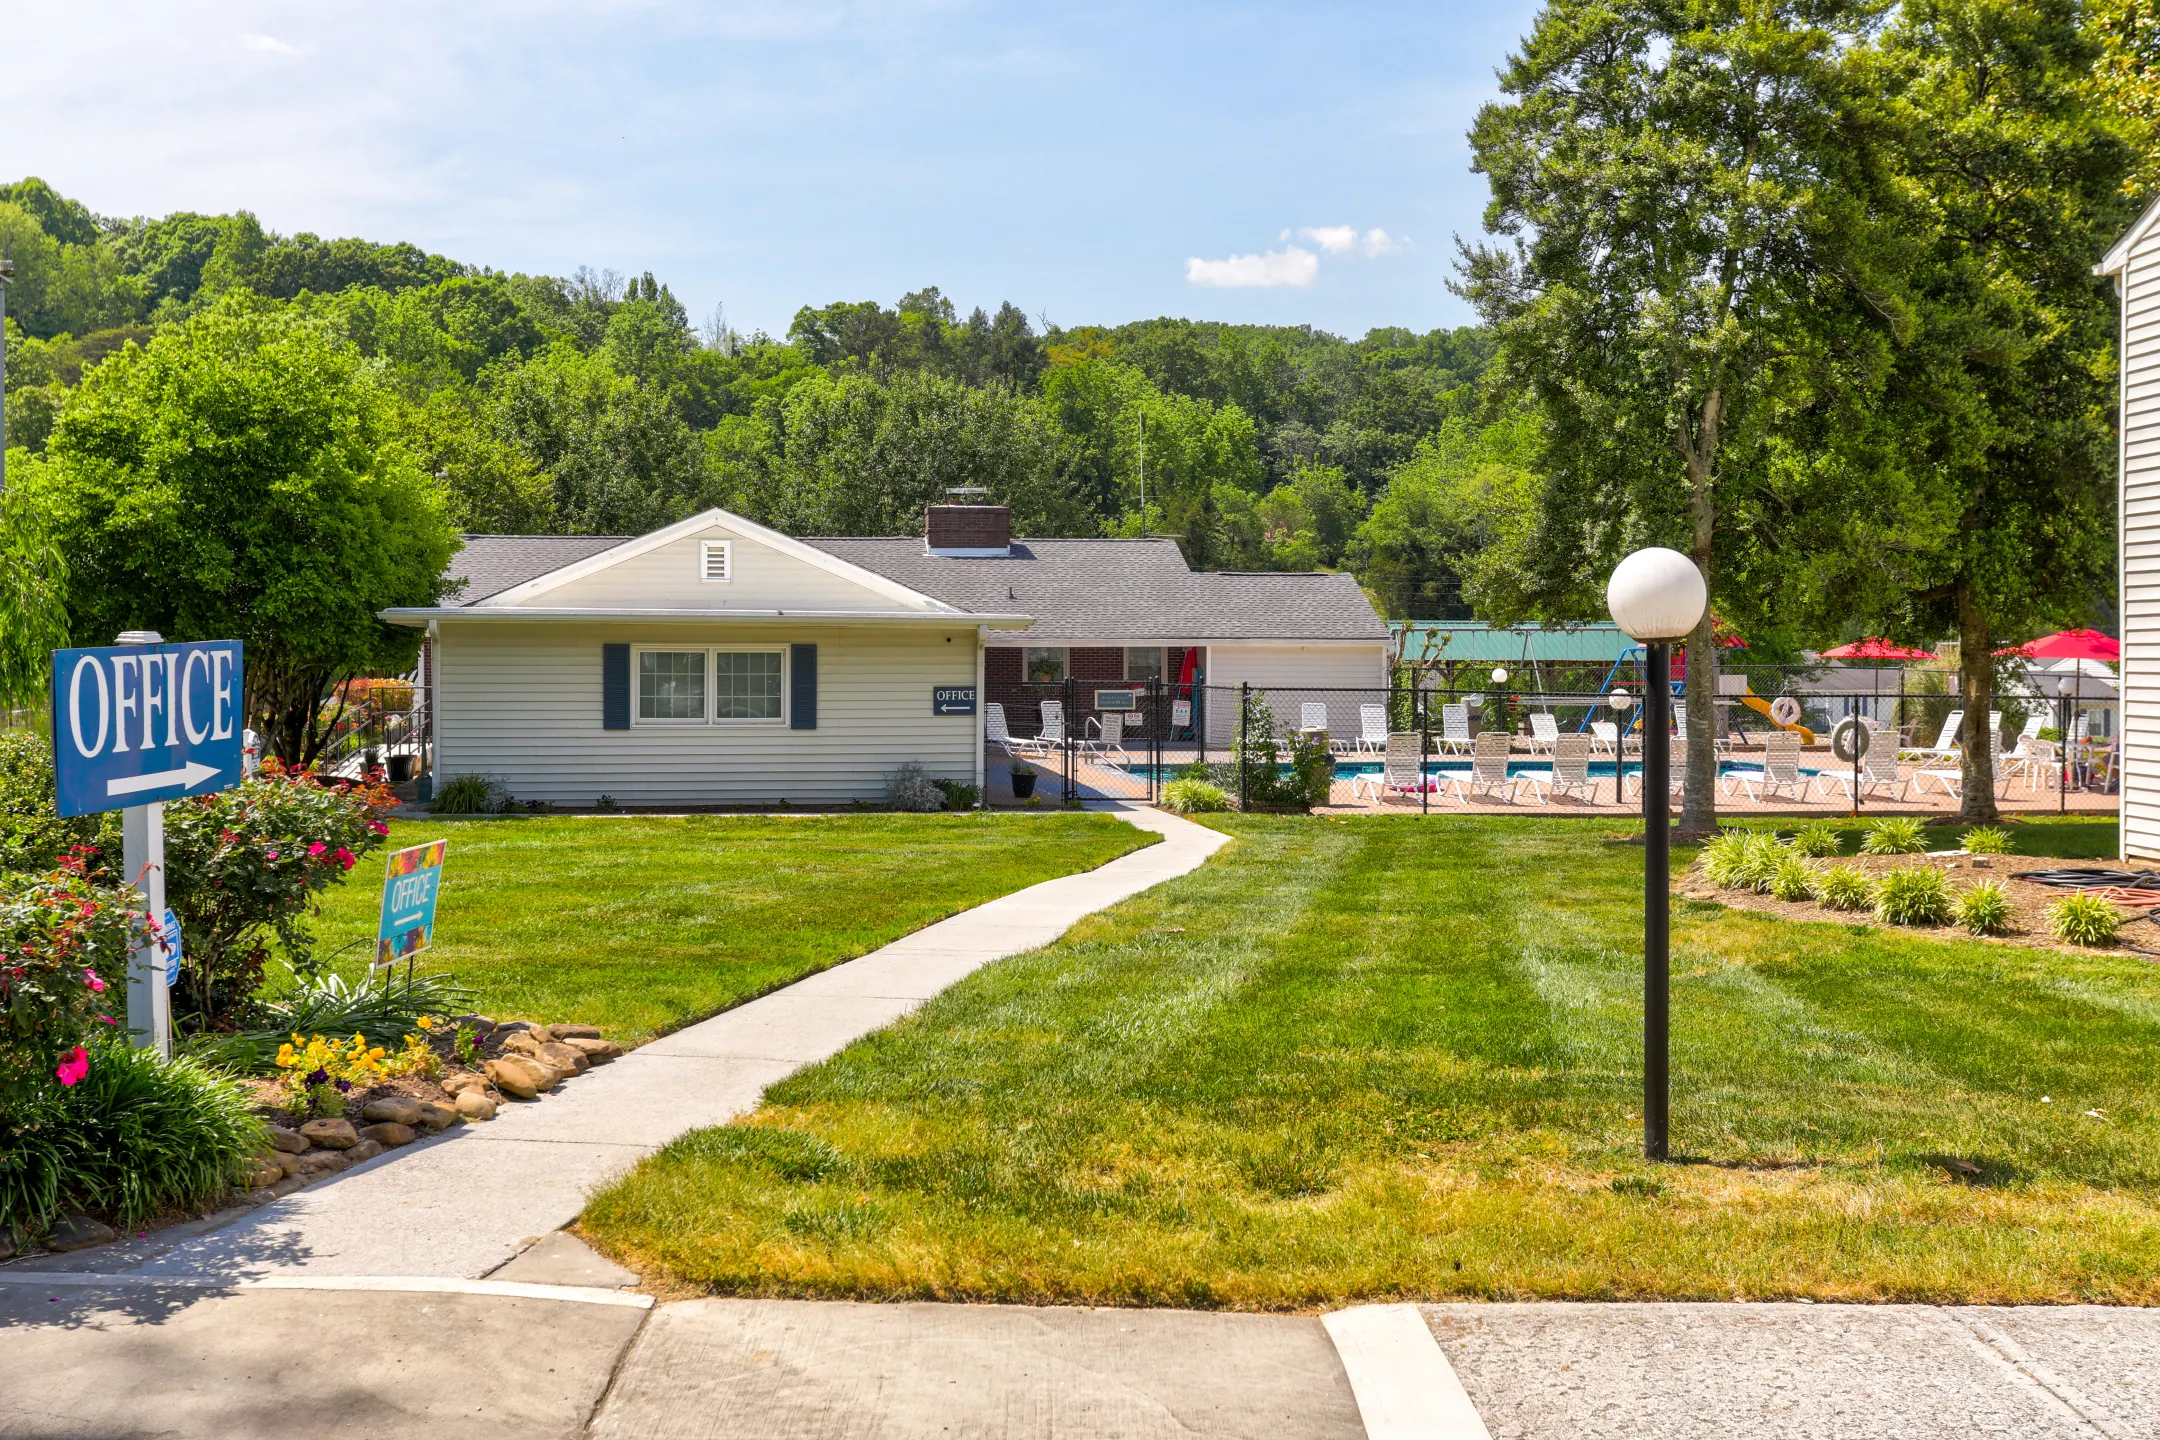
[1092, 163]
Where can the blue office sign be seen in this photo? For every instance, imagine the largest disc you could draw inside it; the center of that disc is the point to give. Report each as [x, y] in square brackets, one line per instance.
[952, 699]
[133, 724]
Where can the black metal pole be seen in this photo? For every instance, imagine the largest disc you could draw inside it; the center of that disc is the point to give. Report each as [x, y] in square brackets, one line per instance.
[1244, 739]
[1424, 743]
[1657, 903]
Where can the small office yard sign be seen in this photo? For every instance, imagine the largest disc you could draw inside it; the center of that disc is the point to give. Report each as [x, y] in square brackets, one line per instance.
[952, 699]
[137, 724]
[408, 902]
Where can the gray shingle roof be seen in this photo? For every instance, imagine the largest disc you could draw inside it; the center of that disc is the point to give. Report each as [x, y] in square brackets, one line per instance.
[1077, 590]
[1122, 590]
[491, 564]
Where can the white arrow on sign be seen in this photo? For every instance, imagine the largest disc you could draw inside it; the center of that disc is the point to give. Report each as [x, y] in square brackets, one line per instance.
[187, 778]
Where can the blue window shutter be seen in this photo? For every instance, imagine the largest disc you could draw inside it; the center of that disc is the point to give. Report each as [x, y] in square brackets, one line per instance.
[802, 687]
[614, 687]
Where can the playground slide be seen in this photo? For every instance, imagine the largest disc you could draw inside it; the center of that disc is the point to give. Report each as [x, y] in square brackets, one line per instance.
[1756, 702]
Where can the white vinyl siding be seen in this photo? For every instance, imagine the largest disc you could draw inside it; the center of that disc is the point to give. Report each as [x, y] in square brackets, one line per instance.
[758, 578]
[1284, 674]
[2140, 530]
[521, 702]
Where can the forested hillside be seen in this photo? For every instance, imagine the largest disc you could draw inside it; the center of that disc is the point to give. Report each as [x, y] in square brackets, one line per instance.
[594, 404]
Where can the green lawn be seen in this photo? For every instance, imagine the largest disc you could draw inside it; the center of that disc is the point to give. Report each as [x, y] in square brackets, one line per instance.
[640, 925]
[2070, 837]
[1385, 1057]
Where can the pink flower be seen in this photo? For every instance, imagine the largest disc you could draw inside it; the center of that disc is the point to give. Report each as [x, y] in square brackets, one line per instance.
[345, 857]
[90, 978]
[315, 850]
[273, 854]
[74, 1067]
[107, 1020]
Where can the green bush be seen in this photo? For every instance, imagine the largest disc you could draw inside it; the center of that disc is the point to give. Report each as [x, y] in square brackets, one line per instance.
[1793, 879]
[1897, 835]
[57, 933]
[958, 796]
[383, 1005]
[467, 795]
[1760, 859]
[32, 834]
[138, 1135]
[1844, 887]
[2083, 919]
[1984, 909]
[1819, 840]
[1987, 840]
[1724, 859]
[1918, 896]
[247, 865]
[1303, 781]
[1194, 797]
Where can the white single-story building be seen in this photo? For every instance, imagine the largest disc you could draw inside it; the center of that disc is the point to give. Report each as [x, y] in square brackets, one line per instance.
[2135, 265]
[717, 662]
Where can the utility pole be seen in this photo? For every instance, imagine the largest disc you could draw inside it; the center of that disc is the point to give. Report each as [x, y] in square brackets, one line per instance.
[1143, 465]
[7, 274]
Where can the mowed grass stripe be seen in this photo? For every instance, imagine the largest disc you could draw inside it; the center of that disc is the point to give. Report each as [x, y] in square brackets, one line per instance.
[1370, 1059]
[643, 924]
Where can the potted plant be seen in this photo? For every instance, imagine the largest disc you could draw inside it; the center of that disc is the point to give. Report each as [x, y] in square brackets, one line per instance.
[1023, 779]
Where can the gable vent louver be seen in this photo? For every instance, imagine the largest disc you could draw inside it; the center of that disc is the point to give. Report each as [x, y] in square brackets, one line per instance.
[715, 562]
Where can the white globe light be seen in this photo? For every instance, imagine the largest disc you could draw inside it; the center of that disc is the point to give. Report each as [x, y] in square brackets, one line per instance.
[1499, 676]
[1620, 700]
[1656, 595]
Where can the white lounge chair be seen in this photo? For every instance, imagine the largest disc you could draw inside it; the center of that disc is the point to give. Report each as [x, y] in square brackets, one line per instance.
[1312, 715]
[1489, 764]
[1605, 738]
[1879, 768]
[1455, 728]
[994, 730]
[1372, 727]
[1780, 770]
[2037, 761]
[1953, 781]
[1569, 773]
[1052, 734]
[1945, 746]
[1544, 731]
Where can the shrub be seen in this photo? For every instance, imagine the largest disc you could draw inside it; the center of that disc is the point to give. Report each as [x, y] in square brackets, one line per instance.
[1987, 840]
[1918, 896]
[1819, 840]
[1724, 859]
[468, 795]
[1760, 859]
[911, 789]
[1267, 779]
[58, 932]
[957, 796]
[140, 1134]
[1984, 909]
[2083, 919]
[32, 834]
[1794, 879]
[1194, 797]
[1897, 835]
[246, 865]
[383, 1005]
[1844, 887]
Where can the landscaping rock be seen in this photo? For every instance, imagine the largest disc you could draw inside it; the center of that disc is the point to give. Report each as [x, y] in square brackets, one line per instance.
[519, 1077]
[525, 1042]
[263, 1171]
[77, 1231]
[289, 1164]
[508, 1028]
[389, 1133]
[436, 1115]
[365, 1150]
[475, 1105]
[260, 1195]
[331, 1134]
[291, 1142]
[463, 1080]
[325, 1162]
[287, 1185]
[566, 1058]
[7, 1242]
[396, 1109]
[596, 1051]
[575, 1032]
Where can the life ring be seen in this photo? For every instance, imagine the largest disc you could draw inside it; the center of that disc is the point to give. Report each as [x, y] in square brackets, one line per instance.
[1849, 740]
[1785, 710]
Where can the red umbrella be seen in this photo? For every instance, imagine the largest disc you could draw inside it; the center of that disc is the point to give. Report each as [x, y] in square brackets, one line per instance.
[1876, 648]
[2069, 645]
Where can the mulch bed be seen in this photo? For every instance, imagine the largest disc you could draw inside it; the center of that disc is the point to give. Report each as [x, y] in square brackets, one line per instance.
[2028, 902]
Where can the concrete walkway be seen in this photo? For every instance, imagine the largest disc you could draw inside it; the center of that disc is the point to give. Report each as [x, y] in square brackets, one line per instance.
[464, 1203]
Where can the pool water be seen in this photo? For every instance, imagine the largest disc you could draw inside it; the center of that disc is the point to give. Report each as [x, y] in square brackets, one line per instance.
[1350, 769]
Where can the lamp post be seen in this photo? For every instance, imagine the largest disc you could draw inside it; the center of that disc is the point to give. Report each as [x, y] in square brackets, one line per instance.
[1657, 596]
[1499, 680]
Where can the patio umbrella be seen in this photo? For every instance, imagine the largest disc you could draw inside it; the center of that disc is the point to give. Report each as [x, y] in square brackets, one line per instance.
[2069, 645]
[1876, 648]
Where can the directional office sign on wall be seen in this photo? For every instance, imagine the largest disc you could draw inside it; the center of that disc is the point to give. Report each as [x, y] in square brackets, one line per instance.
[952, 699]
[133, 724]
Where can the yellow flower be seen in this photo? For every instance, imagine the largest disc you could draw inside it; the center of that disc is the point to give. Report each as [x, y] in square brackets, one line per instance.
[427, 1022]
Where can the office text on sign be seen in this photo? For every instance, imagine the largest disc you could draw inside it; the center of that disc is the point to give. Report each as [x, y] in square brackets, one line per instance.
[134, 724]
[410, 886]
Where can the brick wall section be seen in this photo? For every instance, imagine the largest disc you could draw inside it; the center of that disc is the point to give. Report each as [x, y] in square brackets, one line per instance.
[968, 527]
[1004, 680]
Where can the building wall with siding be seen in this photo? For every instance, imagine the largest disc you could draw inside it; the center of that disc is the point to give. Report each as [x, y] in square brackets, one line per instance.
[2140, 527]
[521, 702]
[1289, 676]
[762, 578]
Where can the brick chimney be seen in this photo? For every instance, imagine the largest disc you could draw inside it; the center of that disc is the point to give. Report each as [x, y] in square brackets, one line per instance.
[968, 531]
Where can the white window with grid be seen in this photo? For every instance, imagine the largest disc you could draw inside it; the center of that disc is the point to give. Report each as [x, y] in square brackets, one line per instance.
[671, 686]
[746, 684]
[677, 686]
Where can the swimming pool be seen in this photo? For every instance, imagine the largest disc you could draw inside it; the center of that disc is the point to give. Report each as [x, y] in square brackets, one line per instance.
[1351, 769]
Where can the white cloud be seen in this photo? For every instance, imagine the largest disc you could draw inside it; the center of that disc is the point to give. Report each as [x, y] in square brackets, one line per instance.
[270, 45]
[1379, 242]
[1290, 265]
[1335, 239]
